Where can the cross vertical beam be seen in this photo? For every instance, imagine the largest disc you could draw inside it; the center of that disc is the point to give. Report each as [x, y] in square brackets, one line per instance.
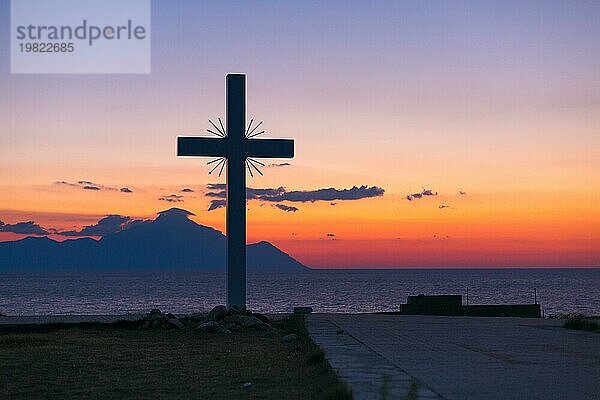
[236, 191]
[236, 147]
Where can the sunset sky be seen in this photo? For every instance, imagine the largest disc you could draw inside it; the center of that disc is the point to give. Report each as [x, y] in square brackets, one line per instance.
[494, 106]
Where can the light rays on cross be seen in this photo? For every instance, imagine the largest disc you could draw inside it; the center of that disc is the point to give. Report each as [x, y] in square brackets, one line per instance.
[251, 163]
[219, 131]
[250, 131]
[221, 161]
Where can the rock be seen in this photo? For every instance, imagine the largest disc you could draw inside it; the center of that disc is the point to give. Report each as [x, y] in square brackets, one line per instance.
[208, 326]
[197, 316]
[155, 323]
[262, 318]
[222, 330]
[230, 325]
[292, 337]
[194, 318]
[154, 312]
[234, 310]
[156, 319]
[217, 313]
[303, 310]
[176, 323]
[270, 333]
[250, 321]
[233, 327]
[235, 318]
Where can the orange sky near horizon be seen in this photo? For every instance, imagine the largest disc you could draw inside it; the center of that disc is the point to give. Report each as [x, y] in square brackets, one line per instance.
[524, 229]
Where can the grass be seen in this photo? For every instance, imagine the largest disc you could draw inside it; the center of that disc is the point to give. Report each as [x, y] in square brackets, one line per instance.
[327, 384]
[581, 324]
[384, 392]
[118, 361]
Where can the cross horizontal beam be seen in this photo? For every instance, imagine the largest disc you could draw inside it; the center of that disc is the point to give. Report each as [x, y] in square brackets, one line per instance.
[270, 148]
[215, 147]
[201, 146]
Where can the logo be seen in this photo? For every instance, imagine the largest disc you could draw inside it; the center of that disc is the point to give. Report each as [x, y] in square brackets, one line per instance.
[80, 36]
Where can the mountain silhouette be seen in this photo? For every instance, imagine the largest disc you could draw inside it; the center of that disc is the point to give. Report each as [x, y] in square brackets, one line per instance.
[171, 241]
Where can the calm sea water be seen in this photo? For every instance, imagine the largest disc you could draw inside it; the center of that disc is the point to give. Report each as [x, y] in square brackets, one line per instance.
[558, 290]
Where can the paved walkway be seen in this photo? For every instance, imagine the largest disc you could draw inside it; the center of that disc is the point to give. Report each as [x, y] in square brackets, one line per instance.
[459, 358]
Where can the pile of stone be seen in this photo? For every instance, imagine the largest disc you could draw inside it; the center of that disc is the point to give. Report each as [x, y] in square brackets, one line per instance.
[224, 321]
[219, 320]
[156, 319]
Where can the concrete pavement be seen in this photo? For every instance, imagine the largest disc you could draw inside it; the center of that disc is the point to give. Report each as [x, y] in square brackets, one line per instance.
[459, 358]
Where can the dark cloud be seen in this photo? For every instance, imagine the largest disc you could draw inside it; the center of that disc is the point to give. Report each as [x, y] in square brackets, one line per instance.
[24, 228]
[110, 224]
[329, 194]
[278, 195]
[442, 206]
[214, 204]
[261, 194]
[276, 165]
[441, 237]
[221, 194]
[329, 236]
[89, 185]
[281, 194]
[286, 208]
[216, 186]
[424, 192]
[172, 198]
[251, 193]
[66, 183]
[187, 190]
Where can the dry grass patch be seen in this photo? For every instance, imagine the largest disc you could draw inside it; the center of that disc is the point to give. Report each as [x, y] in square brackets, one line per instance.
[118, 361]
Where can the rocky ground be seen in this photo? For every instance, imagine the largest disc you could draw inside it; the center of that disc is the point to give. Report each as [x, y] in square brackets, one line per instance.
[219, 320]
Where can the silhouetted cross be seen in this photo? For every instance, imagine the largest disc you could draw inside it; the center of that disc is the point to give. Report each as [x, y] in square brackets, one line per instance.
[236, 146]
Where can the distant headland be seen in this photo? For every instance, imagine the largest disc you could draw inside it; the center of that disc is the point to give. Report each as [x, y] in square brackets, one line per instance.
[171, 241]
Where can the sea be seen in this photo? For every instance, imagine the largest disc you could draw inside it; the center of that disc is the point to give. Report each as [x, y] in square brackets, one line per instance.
[558, 291]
